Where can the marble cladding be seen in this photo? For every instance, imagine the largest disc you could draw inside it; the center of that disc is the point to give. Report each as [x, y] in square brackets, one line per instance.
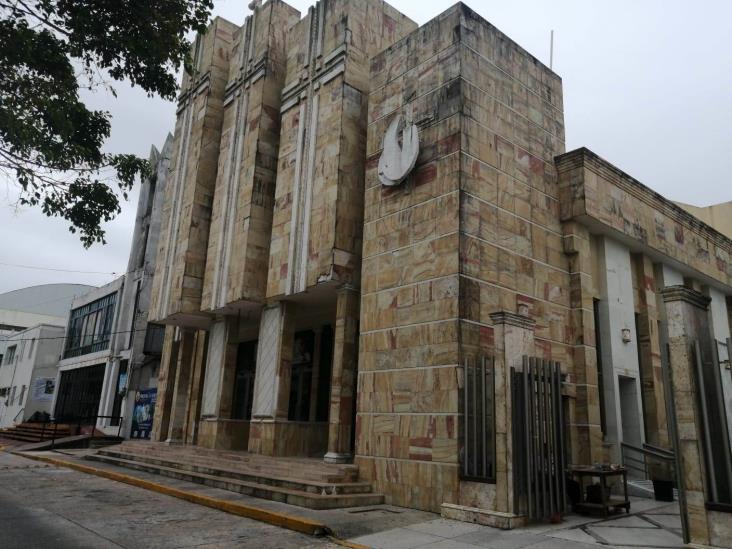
[318, 202]
[186, 216]
[274, 191]
[473, 231]
[241, 222]
[592, 188]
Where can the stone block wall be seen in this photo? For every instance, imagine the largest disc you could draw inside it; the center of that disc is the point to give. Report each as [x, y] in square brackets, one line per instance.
[241, 224]
[316, 233]
[189, 193]
[474, 230]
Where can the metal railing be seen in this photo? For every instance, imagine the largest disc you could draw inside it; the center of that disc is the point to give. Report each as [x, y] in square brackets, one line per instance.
[19, 412]
[479, 442]
[642, 459]
[90, 421]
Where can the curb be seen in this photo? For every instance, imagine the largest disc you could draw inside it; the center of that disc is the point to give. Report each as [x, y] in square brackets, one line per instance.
[298, 524]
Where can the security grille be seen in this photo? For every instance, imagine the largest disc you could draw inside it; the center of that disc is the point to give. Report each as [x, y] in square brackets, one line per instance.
[479, 433]
[539, 454]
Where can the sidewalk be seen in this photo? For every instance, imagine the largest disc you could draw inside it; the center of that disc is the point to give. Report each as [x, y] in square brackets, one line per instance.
[651, 524]
[656, 527]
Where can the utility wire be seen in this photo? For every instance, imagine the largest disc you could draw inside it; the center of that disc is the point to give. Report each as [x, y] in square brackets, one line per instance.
[10, 340]
[56, 270]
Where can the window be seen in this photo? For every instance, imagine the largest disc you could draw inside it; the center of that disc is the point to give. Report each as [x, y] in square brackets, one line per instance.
[12, 396]
[10, 354]
[90, 327]
[31, 347]
[22, 394]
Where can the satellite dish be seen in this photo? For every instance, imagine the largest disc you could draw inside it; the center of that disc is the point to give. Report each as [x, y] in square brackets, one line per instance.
[396, 162]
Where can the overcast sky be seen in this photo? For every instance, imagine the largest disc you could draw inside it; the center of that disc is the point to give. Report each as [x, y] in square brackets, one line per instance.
[647, 86]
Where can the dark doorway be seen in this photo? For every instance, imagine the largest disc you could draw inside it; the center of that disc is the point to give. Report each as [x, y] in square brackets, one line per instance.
[301, 376]
[246, 364]
[79, 393]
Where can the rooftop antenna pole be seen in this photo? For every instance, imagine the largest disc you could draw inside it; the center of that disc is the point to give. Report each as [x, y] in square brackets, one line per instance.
[551, 50]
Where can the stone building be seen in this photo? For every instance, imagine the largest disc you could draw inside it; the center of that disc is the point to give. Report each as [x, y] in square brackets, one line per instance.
[325, 294]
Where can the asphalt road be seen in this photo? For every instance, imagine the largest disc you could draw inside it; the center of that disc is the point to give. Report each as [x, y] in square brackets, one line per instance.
[49, 507]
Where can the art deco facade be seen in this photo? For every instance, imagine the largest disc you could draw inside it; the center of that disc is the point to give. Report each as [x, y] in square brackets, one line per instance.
[313, 311]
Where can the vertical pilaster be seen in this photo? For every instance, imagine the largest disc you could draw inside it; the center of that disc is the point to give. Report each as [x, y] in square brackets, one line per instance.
[584, 413]
[179, 403]
[343, 376]
[649, 358]
[166, 381]
[195, 393]
[514, 338]
[684, 308]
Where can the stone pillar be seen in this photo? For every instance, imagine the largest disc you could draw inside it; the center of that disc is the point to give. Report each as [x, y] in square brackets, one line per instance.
[649, 346]
[684, 308]
[166, 381]
[195, 394]
[272, 379]
[179, 402]
[218, 387]
[343, 377]
[584, 410]
[514, 338]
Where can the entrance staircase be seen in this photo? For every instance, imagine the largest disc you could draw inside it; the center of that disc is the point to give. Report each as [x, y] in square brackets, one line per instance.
[297, 481]
[35, 432]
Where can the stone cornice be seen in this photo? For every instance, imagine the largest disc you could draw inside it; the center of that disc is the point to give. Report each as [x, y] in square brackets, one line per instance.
[682, 293]
[513, 319]
[585, 158]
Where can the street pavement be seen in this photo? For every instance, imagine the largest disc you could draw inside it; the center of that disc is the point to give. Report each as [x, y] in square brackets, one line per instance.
[43, 506]
[48, 507]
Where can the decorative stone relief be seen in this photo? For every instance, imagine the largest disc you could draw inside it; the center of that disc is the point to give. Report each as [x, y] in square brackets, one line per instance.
[396, 162]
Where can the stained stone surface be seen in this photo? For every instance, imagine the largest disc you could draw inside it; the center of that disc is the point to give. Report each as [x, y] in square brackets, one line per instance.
[181, 260]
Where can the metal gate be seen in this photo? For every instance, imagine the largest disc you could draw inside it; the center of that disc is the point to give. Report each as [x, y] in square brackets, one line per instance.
[539, 450]
[478, 455]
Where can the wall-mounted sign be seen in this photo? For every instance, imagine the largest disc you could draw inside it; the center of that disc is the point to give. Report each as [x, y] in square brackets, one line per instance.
[43, 388]
[143, 412]
[396, 160]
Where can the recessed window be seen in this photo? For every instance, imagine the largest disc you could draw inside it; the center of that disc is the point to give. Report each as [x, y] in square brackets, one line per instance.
[90, 327]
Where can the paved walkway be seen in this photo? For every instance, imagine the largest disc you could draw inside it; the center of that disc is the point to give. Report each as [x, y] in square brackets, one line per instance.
[650, 526]
[58, 504]
[48, 507]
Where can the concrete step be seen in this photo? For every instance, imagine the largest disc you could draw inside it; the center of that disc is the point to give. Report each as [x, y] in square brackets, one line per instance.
[20, 436]
[280, 467]
[239, 471]
[254, 489]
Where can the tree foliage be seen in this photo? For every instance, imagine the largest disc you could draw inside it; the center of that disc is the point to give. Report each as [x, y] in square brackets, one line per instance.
[51, 144]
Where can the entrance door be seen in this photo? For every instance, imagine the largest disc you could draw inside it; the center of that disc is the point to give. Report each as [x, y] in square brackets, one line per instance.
[79, 393]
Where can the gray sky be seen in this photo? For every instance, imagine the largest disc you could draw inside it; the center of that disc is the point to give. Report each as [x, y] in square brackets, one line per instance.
[647, 86]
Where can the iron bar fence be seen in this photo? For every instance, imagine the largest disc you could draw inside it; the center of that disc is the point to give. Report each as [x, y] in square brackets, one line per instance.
[479, 433]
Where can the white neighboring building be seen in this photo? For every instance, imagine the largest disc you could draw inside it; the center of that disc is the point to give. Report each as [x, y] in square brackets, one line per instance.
[42, 304]
[28, 373]
[88, 367]
[112, 353]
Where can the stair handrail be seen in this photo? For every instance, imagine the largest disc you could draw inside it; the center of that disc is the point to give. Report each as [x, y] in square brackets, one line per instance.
[19, 412]
[83, 420]
[646, 452]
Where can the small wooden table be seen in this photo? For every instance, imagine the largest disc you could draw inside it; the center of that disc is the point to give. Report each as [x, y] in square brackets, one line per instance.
[608, 502]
